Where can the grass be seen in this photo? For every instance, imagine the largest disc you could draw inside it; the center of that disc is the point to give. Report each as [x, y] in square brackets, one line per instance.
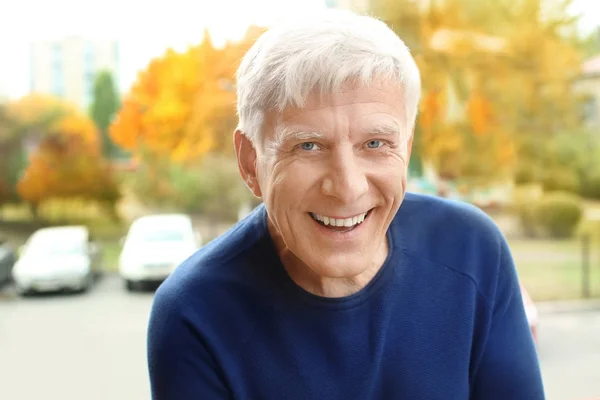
[552, 269]
[110, 252]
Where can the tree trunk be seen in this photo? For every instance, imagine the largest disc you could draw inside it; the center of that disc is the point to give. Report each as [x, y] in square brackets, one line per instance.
[34, 209]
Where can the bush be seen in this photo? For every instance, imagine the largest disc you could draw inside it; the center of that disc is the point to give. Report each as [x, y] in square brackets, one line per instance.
[524, 197]
[525, 174]
[558, 214]
[591, 185]
[213, 187]
[559, 179]
[526, 213]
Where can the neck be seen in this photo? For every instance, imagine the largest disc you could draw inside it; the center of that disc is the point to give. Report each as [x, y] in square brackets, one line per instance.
[333, 287]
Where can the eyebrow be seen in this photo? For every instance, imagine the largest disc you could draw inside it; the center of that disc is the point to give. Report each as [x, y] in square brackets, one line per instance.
[387, 129]
[296, 134]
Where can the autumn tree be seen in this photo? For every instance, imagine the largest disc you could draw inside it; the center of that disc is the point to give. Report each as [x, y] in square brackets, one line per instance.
[178, 121]
[183, 105]
[64, 157]
[491, 78]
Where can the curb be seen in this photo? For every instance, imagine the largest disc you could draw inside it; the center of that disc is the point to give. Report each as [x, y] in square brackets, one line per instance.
[549, 307]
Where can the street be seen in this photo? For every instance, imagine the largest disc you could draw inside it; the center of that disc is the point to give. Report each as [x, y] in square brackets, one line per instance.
[569, 351]
[92, 347]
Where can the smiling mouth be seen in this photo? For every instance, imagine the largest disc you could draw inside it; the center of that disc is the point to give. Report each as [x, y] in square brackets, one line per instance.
[340, 224]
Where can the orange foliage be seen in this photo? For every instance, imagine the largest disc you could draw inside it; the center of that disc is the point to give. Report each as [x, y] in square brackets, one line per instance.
[66, 160]
[79, 127]
[480, 113]
[182, 105]
[35, 109]
[432, 108]
[65, 168]
[506, 78]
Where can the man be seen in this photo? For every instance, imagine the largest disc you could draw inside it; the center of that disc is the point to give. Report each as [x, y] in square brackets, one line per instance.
[342, 285]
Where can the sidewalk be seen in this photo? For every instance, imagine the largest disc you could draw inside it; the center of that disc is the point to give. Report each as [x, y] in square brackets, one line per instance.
[581, 305]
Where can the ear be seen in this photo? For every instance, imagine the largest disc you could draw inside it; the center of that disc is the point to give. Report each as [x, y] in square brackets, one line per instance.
[246, 158]
[410, 144]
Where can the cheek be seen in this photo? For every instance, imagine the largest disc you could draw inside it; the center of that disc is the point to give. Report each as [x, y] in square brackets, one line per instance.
[393, 185]
[287, 182]
[390, 179]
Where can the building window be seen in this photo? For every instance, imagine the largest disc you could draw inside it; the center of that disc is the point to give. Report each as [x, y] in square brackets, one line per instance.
[58, 76]
[89, 72]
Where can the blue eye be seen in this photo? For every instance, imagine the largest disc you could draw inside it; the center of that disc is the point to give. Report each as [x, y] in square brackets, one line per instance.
[308, 146]
[373, 144]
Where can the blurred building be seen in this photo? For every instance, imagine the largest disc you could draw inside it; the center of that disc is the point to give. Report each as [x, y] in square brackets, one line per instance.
[360, 6]
[589, 84]
[67, 68]
[3, 94]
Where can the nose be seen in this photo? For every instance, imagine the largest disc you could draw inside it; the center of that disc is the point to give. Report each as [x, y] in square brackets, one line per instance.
[346, 179]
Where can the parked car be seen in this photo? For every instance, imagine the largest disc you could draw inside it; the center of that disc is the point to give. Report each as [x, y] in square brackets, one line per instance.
[154, 246]
[531, 312]
[58, 258]
[7, 260]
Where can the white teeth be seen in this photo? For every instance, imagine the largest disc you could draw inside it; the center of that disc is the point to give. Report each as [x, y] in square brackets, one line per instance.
[345, 222]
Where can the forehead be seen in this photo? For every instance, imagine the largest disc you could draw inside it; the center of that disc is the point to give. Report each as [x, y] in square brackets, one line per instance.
[351, 109]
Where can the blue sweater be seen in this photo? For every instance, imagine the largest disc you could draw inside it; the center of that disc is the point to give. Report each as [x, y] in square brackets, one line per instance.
[442, 319]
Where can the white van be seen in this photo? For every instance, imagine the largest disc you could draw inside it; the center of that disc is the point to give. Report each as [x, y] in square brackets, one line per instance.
[154, 246]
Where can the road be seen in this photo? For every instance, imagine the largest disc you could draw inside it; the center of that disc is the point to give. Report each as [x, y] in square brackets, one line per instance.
[569, 351]
[92, 347]
[74, 347]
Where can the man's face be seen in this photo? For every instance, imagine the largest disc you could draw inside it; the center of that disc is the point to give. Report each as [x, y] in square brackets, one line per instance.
[332, 176]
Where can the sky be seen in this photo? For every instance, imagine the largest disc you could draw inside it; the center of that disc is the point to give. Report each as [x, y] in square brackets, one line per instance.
[145, 28]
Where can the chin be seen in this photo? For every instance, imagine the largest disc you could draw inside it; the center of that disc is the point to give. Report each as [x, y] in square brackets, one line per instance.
[338, 266]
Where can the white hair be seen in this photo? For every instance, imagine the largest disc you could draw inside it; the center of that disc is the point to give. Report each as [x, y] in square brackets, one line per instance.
[297, 57]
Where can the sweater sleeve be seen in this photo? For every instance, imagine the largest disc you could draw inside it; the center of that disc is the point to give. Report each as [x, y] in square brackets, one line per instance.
[509, 367]
[179, 363]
